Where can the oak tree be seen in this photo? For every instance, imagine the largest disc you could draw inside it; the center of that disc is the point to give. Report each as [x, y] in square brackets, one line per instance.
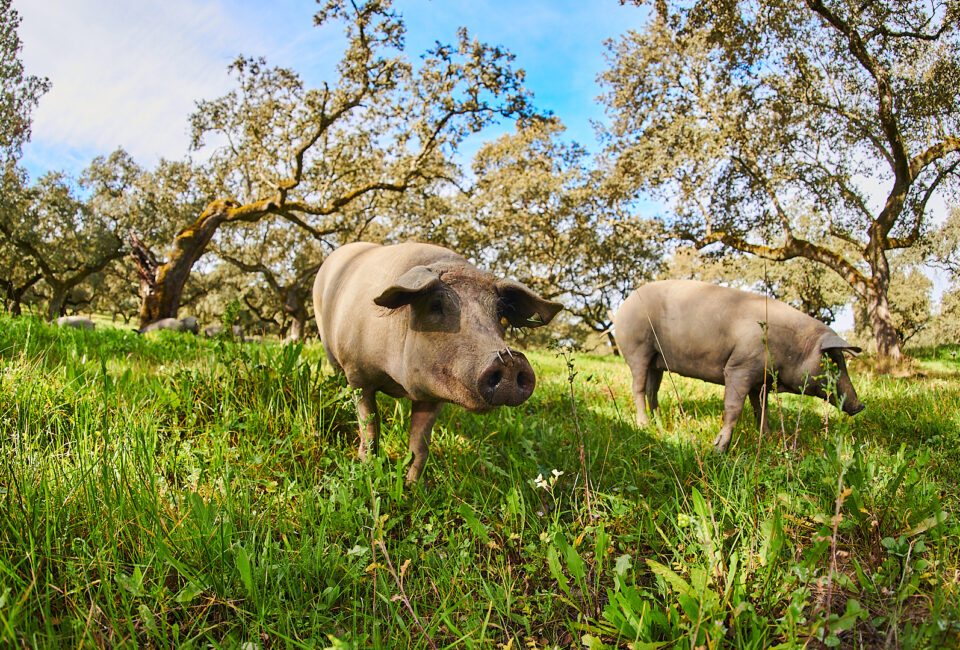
[19, 92]
[303, 154]
[744, 115]
[58, 233]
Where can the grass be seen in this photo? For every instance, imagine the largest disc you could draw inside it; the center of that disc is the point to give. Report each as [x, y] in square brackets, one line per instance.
[178, 492]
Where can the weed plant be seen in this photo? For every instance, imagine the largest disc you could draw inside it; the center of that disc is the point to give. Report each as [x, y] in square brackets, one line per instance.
[177, 492]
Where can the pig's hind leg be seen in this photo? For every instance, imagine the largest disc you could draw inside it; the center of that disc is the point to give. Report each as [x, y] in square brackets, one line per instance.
[654, 377]
[644, 391]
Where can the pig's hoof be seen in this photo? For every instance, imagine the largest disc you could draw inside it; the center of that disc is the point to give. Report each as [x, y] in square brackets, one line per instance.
[412, 478]
[720, 443]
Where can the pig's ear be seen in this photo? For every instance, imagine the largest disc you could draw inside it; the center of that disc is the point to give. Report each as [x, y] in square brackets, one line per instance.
[408, 286]
[833, 342]
[522, 307]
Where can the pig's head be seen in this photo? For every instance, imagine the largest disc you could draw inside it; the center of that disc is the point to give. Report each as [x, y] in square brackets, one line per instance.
[454, 348]
[832, 348]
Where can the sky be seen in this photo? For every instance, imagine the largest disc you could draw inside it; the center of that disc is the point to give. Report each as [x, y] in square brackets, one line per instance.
[127, 73]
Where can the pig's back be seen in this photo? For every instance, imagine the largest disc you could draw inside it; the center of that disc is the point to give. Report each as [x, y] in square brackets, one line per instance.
[698, 326]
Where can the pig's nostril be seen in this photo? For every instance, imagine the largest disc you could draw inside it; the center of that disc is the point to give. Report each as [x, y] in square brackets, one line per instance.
[525, 381]
[494, 379]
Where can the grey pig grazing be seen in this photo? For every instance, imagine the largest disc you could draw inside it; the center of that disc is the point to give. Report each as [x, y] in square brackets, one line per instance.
[213, 331]
[419, 321]
[714, 333]
[188, 324]
[76, 322]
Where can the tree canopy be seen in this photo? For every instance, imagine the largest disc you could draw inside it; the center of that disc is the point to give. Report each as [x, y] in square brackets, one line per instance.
[747, 116]
[303, 155]
[538, 213]
[19, 92]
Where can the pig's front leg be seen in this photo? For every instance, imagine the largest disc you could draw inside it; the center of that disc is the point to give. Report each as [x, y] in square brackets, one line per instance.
[369, 418]
[422, 417]
[737, 385]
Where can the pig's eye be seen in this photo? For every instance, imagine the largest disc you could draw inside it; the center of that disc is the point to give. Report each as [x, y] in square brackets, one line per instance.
[436, 306]
[507, 312]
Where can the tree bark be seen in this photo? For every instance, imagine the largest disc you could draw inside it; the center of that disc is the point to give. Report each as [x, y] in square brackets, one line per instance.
[296, 308]
[613, 344]
[15, 294]
[58, 300]
[161, 285]
[881, 322]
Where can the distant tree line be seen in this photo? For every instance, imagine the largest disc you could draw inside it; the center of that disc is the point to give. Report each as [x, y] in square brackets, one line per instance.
[791, 148]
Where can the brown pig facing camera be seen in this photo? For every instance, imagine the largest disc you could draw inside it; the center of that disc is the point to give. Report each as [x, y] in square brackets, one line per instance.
[418, 321]
[741, 340]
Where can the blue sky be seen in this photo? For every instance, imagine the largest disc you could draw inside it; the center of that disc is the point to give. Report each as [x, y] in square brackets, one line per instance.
[127, 73]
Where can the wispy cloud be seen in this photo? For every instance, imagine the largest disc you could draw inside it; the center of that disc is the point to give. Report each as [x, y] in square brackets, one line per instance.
[128, 73]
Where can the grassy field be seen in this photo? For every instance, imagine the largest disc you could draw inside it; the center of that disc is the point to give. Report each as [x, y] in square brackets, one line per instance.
[177, 492]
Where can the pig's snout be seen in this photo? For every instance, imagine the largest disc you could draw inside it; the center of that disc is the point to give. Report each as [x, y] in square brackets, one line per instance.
[854, 408]
[508, 380]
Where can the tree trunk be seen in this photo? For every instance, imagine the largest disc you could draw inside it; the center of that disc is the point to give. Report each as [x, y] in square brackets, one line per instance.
[15, 294]
[161, 285]
[881, 321]
[58, 300]
[613, 343]
[294, 306]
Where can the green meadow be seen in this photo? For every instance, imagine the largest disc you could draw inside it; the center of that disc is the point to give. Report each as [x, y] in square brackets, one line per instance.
[174, 492]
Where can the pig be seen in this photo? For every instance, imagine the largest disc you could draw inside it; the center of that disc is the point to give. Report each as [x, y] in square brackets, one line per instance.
[418, 321]
[213, 331]
[188, 324]
[76, 322]
[715, 333]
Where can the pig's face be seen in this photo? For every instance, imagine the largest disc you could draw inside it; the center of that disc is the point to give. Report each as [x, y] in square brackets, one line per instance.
[833, 363]
[454, 348]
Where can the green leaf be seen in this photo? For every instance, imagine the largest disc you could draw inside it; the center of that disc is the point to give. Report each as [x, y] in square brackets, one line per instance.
[591, 642]
[928, 523]
[147, 617]
[556, 569]
[473, 523]
[771, 532]
[188, 593]
[575, 564]
[243, 566]
[623, 564]
[675, 582]
[600, 547]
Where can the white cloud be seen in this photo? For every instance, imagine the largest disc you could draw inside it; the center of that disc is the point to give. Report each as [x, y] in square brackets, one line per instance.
[128, 73]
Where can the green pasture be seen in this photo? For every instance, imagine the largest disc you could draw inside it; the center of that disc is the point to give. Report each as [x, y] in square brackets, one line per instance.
[176, 492]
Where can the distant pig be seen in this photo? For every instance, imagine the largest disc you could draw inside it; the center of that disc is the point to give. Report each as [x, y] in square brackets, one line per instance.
[717, 334]
[76, 322]
[213, 331]
[188, 324]
[419, 321]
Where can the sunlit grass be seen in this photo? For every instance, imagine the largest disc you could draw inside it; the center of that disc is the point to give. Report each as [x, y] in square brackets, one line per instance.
[176, 492]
